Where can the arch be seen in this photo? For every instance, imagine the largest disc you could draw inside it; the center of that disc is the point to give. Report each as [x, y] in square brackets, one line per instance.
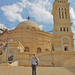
[66, 13]
[65, 48]
[38, 50]
[1, 52]
[62, 13]
[66, 43]
[26, 49]
[64, 29]
[60, 28]
[59, 14]
[67, 29]
[65, 40]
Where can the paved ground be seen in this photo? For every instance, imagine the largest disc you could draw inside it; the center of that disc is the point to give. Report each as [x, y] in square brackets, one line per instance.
[7, 70]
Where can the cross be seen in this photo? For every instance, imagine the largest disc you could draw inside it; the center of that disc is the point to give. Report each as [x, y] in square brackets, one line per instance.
[28, 18]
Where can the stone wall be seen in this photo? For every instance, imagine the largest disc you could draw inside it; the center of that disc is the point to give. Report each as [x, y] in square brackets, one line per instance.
[48, 59]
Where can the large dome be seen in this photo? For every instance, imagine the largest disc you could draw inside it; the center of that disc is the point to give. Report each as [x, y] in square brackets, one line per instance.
[28, 24]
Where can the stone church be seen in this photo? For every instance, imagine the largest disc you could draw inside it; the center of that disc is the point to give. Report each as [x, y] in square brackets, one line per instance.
[52, 49]
[62, 33]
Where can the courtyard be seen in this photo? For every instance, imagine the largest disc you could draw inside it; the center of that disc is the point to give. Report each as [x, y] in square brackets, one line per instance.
[8, 70]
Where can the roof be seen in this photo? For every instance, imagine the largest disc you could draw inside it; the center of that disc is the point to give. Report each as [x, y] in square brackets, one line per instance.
[28, 24]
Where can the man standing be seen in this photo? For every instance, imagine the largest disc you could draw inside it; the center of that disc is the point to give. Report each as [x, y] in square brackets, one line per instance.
[34, 62]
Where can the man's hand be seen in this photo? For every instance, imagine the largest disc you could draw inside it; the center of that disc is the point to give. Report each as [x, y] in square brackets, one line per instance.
[37, 64]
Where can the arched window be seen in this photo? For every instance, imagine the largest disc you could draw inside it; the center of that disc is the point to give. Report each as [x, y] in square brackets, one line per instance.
[62, 14]
[67, 29]
[1, 52]
[39, 50]
[60, 28]
[65, 13]
[59, 13]
[65, 48]
[64, 29]
[26, 49]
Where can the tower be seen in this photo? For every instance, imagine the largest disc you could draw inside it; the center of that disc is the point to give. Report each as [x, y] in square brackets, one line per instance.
[62, 34]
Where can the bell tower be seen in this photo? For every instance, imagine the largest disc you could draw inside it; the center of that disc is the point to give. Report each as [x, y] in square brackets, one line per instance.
[62, 34]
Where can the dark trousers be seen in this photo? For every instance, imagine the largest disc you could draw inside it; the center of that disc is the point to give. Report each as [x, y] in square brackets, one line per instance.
[33, 69]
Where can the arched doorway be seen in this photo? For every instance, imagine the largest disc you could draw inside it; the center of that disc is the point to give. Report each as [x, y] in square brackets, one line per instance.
[65, 48]
[26, 49]
[66, 43]
[39, 50]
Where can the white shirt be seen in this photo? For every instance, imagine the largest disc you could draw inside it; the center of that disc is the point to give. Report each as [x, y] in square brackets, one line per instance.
[34, 60]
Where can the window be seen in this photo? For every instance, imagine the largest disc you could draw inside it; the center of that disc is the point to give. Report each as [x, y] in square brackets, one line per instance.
[65, 48]
[67, 29]
[39, 50]
[61, 29]
[26, 49]
[65, 13]
[64, 29]
[59, 13]
[1, 52]
[62, 14]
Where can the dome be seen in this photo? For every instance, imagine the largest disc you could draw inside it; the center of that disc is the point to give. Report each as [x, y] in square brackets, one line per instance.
[28, 24]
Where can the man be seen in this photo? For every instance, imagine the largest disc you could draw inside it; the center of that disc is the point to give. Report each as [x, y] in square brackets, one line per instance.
[34, 62]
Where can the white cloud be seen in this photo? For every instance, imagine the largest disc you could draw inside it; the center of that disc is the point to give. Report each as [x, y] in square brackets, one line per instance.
[41, 27]
[39, 9]
[41, 15]
[13, 12]
[2, 26]
[72, 13]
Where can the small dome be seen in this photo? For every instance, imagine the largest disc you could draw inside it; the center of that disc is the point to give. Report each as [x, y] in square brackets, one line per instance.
[28, 24]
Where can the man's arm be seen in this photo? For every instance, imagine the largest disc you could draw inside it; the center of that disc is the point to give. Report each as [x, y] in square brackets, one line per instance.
[37, 61]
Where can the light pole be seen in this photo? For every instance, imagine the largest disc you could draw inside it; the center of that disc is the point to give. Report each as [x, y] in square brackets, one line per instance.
[52, 56]
[7, 52]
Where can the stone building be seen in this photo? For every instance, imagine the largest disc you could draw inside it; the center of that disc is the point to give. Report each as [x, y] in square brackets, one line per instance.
[52, 49]
[30, 36]
[62, 33]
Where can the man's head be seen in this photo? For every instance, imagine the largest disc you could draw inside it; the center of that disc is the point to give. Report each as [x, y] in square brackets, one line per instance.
[34, 55]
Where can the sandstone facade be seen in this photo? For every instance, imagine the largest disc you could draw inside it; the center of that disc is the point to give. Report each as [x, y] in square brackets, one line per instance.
[55, 49]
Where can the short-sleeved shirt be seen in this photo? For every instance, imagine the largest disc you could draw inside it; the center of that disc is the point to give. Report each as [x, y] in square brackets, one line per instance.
[34, 61]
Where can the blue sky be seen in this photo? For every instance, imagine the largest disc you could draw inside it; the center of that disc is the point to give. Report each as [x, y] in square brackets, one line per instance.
[12, 12]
